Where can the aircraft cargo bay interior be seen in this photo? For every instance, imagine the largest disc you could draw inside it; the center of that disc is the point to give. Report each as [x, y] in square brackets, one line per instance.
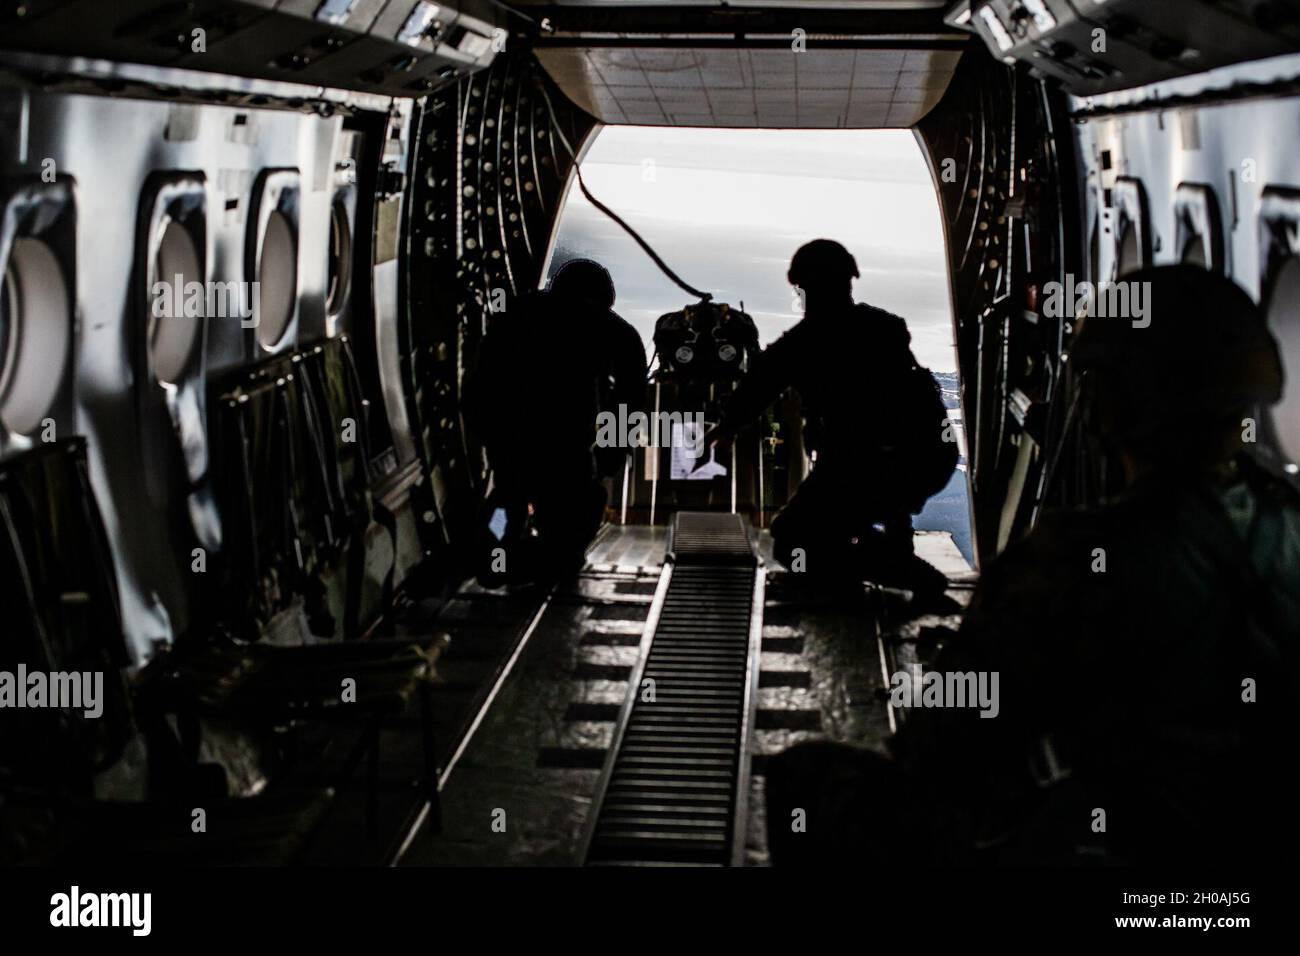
[621, 436]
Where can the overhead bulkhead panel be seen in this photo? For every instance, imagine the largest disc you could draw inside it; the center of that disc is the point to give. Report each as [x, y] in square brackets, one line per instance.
[394, 47]
[1098, 46]
[827, 66]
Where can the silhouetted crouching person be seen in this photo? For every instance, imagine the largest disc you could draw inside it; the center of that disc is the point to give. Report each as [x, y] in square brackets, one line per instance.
[549, 365]
[1146, 649]
[875, 420]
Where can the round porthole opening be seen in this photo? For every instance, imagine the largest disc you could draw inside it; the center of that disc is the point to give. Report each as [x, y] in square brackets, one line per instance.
[179, 304]
[1194, 253]
[1130, 251]
[277, 277]
[340, 259]
[1284, 321]
[8, 324]
[35, 331]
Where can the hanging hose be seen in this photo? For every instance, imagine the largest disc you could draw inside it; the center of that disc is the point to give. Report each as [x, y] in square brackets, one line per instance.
[663, 266]
[654, 256]
[512, 10]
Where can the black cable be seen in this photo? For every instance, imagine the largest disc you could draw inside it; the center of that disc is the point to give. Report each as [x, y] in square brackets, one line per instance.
[509, 9]
[654, 256]
[681, 283]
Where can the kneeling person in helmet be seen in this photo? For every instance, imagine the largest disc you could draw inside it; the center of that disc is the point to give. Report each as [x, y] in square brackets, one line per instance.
[875, 420]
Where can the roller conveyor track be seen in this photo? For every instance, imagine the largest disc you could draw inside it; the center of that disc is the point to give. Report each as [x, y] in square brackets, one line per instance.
[676, 783]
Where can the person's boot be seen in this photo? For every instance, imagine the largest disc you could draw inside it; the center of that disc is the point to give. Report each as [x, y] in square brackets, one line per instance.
[929, 587]
[890, 560]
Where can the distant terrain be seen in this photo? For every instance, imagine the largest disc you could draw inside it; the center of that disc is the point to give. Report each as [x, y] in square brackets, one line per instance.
[949, 510]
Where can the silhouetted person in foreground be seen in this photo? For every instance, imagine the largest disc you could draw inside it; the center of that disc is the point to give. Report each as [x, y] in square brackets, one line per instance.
[875, 420]
[549, 365]
[1146, 649]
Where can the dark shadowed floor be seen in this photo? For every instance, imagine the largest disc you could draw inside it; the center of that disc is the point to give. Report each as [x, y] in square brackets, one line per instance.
[520, 789]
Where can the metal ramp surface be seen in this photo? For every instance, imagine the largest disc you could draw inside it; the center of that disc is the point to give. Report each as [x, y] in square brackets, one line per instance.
[675, 786]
